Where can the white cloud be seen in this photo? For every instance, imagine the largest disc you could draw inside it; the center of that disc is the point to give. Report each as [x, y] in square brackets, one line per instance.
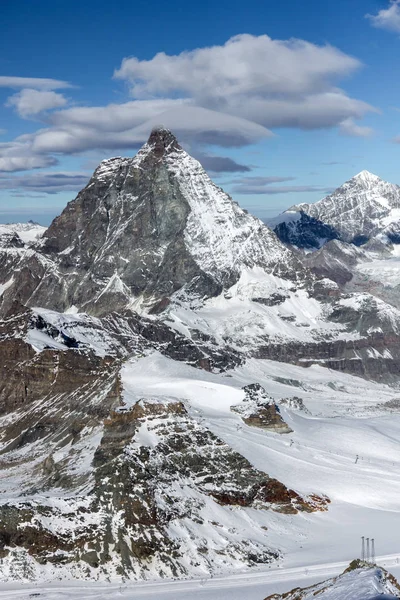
[23, 163]
[29, 102]
[228, 95]
[113, 117]
[245, 64]
[350, 128]
[78, 130]
[274, 83]
[205, 126]
[387, 18]
[37, 83]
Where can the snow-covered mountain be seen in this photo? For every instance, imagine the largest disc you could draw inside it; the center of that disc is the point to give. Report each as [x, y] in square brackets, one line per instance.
[144, 228]
[358, 582]
[27, 232]
[156, 416]
[362, 208]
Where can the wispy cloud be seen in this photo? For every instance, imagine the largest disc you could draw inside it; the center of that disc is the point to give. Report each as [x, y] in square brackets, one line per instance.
[263, 186]
[350, 128]
[17, 157]
[47, 183]
[37, 83]
[220, 164]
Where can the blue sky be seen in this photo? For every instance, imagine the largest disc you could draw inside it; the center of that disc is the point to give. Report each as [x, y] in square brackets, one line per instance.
[281, 102]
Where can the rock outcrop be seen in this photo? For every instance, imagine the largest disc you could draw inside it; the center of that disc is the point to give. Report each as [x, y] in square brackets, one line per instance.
[259, 410]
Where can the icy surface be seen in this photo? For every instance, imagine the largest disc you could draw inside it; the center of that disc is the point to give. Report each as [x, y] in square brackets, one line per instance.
[219, 234]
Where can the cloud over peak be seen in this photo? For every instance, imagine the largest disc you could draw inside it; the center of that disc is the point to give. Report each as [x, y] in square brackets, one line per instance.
[275, 83]
[228, 96]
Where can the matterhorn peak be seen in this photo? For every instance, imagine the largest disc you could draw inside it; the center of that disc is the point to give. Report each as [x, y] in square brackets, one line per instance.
[154, 224]
[162, 141]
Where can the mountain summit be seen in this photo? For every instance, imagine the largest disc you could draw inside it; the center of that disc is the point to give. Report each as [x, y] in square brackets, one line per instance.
[144, 228]
[361, 208]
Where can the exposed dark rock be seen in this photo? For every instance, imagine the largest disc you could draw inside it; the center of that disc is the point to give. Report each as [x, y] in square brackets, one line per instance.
[305, 232]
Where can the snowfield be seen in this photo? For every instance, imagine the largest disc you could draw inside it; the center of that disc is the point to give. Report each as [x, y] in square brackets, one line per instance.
[344, 444]
[248, 586]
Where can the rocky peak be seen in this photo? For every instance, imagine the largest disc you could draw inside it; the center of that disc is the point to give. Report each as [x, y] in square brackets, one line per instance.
[366, 177]
[361, 208]
[162, 141]
[147, 227]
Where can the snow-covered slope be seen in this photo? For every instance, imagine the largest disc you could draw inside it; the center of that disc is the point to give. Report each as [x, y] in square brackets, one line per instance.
[28, 232]
[363, 207]
[359, 582]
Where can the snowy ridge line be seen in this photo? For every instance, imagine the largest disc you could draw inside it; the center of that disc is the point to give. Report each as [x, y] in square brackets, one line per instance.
[363, 208]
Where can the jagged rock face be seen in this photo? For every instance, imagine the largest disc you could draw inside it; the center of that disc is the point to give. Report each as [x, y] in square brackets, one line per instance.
[361, 208]
[111, 477]
[304, 231]
[146, 227]
[335, 261]
[128, 515]
[375, 356]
